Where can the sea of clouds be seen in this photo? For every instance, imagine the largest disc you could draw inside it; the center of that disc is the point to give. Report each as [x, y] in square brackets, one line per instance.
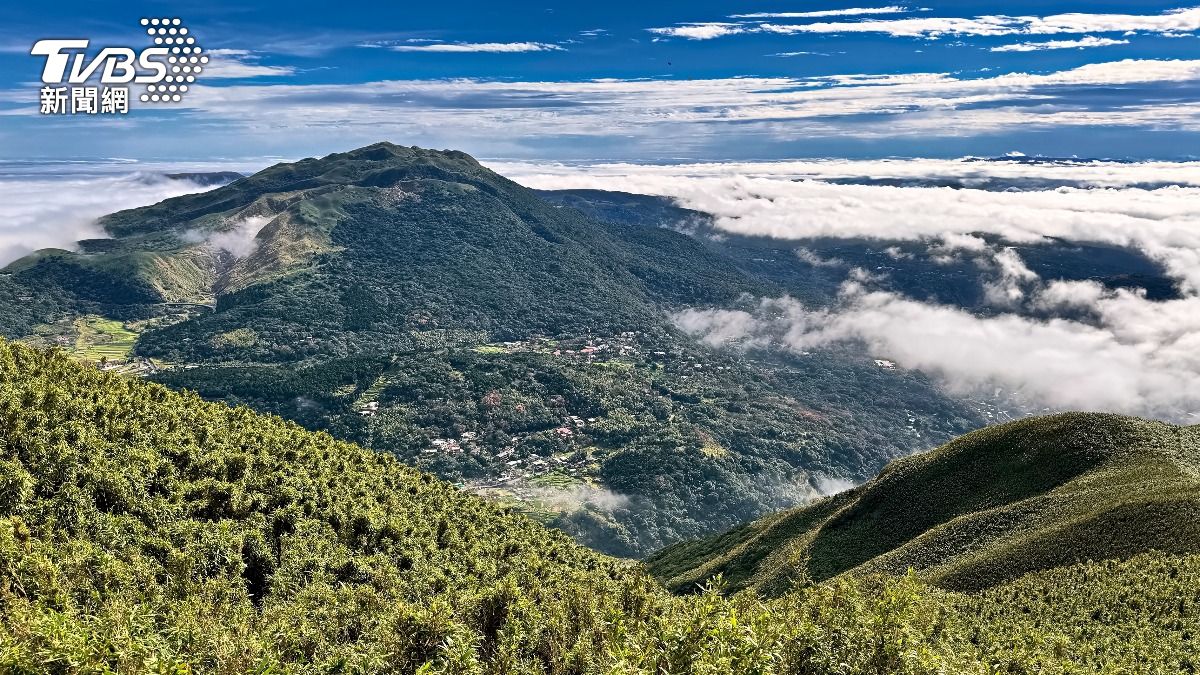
[54, 204]
[1085, 347]
[39, 212]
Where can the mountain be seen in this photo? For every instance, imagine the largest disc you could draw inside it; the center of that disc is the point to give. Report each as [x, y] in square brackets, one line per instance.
[417, 303]
[420, 238]
[978, 512]
[144, 530]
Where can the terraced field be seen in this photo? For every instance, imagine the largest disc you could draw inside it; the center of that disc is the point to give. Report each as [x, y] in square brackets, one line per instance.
[98, 338]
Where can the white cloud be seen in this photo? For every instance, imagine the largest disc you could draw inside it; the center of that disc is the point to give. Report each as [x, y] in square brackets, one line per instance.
[572, 497]
[969, 172]
[815, 260]
[48, 212]
[1009, 289]
[485, 47]
[832, 485]
[1082, 43]
[1127, 71]
[854, 11]
[231, 63]
[885, 79]
[1060, 294]
[1091, 348]
[954, 241]
[646, 111]
[1172, 21]
[700, 31]
[238, 239]
[1140, 357]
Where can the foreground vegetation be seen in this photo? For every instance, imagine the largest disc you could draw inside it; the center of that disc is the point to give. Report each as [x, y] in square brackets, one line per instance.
[143, 530]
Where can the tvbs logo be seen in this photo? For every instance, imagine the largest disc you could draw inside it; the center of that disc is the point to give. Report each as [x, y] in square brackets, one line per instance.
[76, 85]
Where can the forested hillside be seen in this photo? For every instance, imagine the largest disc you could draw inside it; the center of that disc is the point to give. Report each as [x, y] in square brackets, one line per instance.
[143, 530]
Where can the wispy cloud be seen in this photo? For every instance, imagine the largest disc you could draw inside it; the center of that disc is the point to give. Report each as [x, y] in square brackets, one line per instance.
[891, 105]
[1138, 357]
[854, 11]
[241, 63]
[701, 31]
[482, 47]
[1172, 21]
[1082, 43]
[680, 117]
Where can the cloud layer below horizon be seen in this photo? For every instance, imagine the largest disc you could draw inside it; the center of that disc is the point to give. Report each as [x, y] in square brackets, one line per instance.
[39, 212]
[1079, 345]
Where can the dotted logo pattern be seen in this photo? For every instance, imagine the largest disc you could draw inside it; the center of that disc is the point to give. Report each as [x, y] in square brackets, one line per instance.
[185, 61]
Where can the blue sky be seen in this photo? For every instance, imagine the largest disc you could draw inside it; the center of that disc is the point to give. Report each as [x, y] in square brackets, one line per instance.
[645, 81]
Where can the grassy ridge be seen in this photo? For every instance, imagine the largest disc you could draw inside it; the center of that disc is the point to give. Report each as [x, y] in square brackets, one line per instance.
[979, 511]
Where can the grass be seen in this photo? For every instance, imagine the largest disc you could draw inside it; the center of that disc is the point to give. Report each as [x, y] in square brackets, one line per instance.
[711, 448]
[554, 479]
[491, 349]
[614, 365]
[98, 338]
[981, 511]
[143, 530]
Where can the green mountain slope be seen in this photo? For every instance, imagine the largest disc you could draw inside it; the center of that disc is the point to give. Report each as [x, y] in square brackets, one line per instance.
[980, 511]
[146, 531]
[419, 304]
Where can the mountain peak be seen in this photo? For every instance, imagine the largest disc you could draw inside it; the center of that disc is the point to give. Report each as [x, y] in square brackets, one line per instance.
[385, 151]
[379, 165]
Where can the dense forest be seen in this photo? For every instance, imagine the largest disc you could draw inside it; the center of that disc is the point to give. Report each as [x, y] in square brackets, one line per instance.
[144, 530]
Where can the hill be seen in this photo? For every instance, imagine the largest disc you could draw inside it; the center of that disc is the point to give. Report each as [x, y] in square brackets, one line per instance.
[417, 303]
[143, 530]
[980, 511]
